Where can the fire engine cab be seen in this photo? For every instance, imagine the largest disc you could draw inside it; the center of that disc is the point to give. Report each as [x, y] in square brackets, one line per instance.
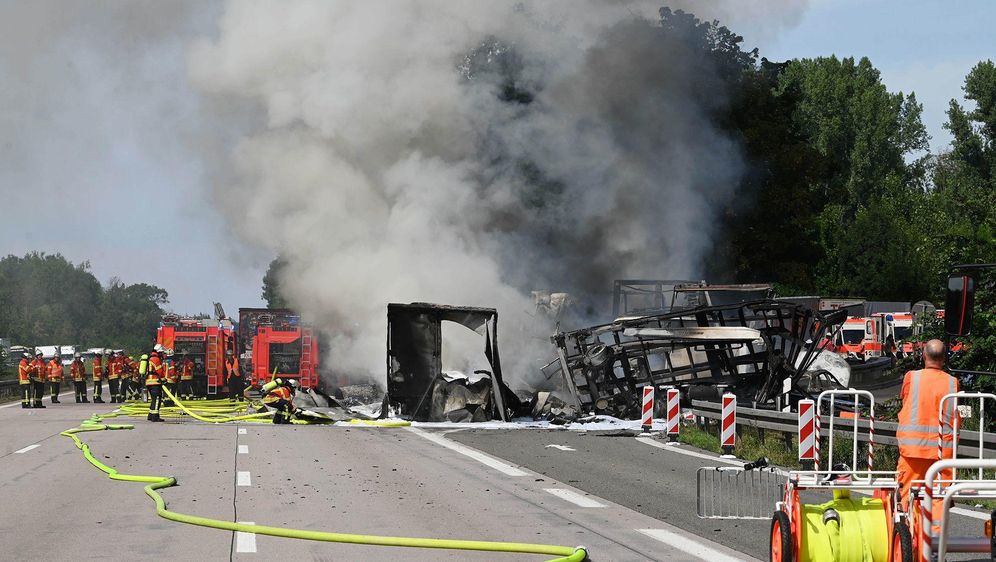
[205, 342]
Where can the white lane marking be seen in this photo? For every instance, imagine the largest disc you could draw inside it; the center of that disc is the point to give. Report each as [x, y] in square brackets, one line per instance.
[245, 542]
[26, 449]
[970, 513]
[18, 402]
[243, 478]
[243, 449]
[573, 497]
[561, 447]
[688, 545]
[242, 431]
[478, 456]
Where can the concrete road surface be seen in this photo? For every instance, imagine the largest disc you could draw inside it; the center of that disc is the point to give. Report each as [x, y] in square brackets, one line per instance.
[402, 482]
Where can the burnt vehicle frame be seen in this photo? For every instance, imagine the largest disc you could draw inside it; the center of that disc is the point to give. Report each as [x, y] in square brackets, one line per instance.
[750, 346]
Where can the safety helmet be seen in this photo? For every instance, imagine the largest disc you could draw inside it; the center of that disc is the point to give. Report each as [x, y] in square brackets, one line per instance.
[38, 353]
[292, 383]
[98, 353]
[145, 357]
[26, 355]
[158, 347]
[77, 355]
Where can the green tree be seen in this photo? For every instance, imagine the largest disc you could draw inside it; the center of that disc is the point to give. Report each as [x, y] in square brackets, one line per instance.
[271, 284]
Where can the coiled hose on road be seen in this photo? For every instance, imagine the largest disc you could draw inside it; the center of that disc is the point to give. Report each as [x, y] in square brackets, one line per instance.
[154, 483]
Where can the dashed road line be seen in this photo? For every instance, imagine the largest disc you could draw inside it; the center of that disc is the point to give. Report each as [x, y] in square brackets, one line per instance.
[573, 497]
[26, 449]
[242, 478]
[688, 545]
[243, 449]
[504, 468]
[245, 542]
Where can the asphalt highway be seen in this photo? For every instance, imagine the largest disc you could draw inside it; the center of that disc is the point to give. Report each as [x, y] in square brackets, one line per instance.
[384, 481]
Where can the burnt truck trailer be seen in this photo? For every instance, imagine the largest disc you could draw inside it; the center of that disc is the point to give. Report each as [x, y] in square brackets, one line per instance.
[205, 342]
[752, 345]
[273, 341]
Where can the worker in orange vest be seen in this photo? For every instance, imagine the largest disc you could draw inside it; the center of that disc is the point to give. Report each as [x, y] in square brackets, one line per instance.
[279, 395]
[77, 371]
[234, 377]
[38, 378]
[154, 376]
[55, 373]
[186, 378]
[24, 379]
[919, 424]
[98, 375]
[114, 377]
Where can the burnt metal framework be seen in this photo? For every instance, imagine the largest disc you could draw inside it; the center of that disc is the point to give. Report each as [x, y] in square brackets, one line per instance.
[414, 354]
[605, 367]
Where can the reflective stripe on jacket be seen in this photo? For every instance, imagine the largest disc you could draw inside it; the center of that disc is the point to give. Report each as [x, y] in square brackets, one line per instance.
[97, 370]
[187, 371]
[921, 395]
[38, 370]
[154, 372]
[114, 369]
[277, 394]
[24, 371]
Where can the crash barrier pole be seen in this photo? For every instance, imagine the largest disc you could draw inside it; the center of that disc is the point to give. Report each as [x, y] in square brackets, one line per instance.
[728, 425]
[564, 553]
[856, 395]
[673, 412]
[927, 501]
[955, 423]
[648, 408]
[807, 432]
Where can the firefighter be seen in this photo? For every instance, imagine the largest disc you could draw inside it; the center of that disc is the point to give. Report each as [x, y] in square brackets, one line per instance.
[134, 388]
[279, 395]
[917, 432]
[233, 376]
[98, 375]
[169, 369]
[186, 378]
[55, 374]
[38, 377]
[114, 377]
[154, 376]
[24, 379]
[124, 386]
[77, 371]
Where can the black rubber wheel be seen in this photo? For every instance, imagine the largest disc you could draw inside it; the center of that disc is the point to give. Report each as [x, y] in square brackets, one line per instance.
[781, 538]
[902, 543]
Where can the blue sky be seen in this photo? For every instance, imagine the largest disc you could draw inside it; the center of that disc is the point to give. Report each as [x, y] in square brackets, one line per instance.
[922, 46]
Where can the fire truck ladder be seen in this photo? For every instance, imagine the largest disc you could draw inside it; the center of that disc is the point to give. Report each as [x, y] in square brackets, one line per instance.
[212, 363]
[306, 363]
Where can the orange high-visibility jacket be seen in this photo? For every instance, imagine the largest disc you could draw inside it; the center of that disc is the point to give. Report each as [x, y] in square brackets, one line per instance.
[155, 371]
[55, 370]
[232, 369]
[77, 370]
[114, 368]
[187, 370]
[38, 370]
[277, 394]
[918, 419]
[24, 371]
[98, 371]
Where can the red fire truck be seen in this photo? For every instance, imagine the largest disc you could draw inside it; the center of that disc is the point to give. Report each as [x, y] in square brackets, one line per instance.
[272, 341]
[205, 342]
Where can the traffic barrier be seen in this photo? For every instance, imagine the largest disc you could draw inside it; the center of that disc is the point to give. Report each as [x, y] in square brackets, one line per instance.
[648, 408]
[807, 430]
[728, 431]
[672, 425]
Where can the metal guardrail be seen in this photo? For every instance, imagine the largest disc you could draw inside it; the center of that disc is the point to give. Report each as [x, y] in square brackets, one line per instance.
[9, 388]
[788, 422]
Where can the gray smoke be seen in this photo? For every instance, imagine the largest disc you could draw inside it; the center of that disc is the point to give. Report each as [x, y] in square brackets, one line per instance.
[468, 153]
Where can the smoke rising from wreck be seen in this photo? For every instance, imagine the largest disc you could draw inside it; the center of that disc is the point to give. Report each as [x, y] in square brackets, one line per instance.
[468, 153]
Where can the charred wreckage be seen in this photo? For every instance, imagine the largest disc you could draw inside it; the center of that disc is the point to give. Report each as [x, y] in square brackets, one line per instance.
[696, 337]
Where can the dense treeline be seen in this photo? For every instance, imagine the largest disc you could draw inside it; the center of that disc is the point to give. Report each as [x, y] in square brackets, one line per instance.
[47, 300]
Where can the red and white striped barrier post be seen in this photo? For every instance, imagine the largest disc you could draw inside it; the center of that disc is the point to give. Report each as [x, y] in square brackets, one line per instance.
[648, 408]
[808, 436]
[673, 415]
[728, 425]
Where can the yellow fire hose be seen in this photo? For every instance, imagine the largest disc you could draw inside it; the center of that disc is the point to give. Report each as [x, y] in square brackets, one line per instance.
[153, 483]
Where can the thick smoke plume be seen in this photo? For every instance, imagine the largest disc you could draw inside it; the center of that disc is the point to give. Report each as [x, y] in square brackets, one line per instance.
[468, 153]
